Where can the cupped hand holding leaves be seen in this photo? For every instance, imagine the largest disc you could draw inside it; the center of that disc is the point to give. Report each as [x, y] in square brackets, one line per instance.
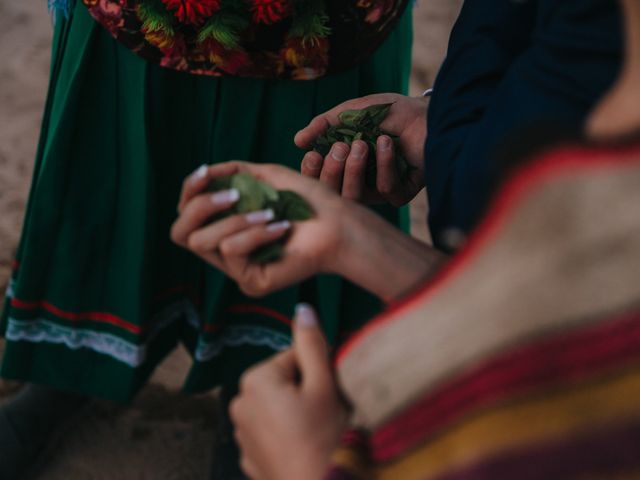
[341, 236]
[344, 166]
[255, 196]
[234, 232]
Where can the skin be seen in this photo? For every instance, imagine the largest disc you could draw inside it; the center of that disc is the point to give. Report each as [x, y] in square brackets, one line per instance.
[302, 409]
[293, 398]
[342, 238]
[343, 169]
[618, 114]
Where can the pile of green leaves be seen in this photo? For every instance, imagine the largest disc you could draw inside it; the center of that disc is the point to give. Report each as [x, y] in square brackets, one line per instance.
[363, 125]
[256, 195]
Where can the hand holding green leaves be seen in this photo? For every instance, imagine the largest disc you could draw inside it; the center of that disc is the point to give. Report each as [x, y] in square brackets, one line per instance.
[347, 168]
[230, 193]
[255, 196]
[363, 125]
[341, 237]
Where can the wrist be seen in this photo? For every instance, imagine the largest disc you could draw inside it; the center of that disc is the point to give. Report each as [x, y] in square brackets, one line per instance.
[378, 257]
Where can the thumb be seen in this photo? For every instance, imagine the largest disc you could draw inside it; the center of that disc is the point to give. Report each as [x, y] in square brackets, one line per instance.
[310, 348]
[284, 366]
[305, 137]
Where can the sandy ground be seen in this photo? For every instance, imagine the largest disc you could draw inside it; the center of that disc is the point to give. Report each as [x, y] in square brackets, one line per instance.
[163, 435]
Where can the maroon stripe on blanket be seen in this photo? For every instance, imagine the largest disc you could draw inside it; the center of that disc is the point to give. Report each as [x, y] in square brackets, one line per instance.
[554, 362]
[339, 473]
[599, 454]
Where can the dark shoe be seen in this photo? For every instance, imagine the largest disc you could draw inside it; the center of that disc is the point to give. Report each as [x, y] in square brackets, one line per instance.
[226, 455]
[28, 423]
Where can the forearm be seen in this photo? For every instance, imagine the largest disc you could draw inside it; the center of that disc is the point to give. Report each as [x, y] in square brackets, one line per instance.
[382, 259]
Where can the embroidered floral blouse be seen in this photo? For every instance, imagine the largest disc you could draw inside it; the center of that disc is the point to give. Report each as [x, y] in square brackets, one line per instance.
[297, 39]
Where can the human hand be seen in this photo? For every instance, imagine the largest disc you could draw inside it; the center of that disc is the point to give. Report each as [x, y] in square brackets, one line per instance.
[288, 416]
[343, 169]
[312, 246]
[341, 238]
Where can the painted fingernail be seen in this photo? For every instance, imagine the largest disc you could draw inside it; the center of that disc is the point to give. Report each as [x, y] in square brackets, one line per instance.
[225, 197]
[385, 143]
[261, 216]
[200, 173]
[338, 153]
[357, 149]
[279, 226]
[306, 316]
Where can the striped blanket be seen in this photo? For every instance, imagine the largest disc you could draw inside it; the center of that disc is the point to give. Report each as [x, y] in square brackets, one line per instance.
[522, 359]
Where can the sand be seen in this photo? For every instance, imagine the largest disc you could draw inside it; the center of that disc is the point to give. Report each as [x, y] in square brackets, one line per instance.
[164, 434]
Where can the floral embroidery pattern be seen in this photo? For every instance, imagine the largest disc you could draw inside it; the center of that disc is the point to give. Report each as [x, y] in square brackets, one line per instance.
[269, 11]
[194, 12]
[297, 39]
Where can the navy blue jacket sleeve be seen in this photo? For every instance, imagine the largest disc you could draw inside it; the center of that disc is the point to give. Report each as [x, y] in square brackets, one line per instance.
[510, 64]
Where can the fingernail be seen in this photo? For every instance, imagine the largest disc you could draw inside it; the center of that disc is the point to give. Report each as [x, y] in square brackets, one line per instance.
[279, 226]
[306, 316]
[200, 173]
[338, 154]
[357, 149]
[261, 216]
[385, 143]
[314, 162]
[225, 196]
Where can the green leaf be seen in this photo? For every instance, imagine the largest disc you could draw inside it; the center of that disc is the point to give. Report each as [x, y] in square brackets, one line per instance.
[377, 113]
[346, 131]
[293, 207]
[363, 125]
[254, 195]
[257, 195]
[352, 118]
[220, 183]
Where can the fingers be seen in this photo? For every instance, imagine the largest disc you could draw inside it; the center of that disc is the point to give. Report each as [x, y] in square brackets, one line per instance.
[193, 184]
[333, 166]
[284, 366]
[305, 137]
[257, 388]
[387, 179]
[343, 169]
[247, 466]
[279, 369]
[236, 251]
[311, 350]
[199, 210]
[353, 183]
[210, 238]
[200, 178]
[312, 165]
[243, 243]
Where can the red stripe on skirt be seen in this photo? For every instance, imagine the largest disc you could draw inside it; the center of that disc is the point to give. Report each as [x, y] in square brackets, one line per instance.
[259, 310]
[568, 357]
[77, 316]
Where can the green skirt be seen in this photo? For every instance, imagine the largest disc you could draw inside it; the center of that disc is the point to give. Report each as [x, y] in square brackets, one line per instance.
[99, 294]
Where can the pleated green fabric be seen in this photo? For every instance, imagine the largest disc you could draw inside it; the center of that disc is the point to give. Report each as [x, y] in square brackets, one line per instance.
[99, 294]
